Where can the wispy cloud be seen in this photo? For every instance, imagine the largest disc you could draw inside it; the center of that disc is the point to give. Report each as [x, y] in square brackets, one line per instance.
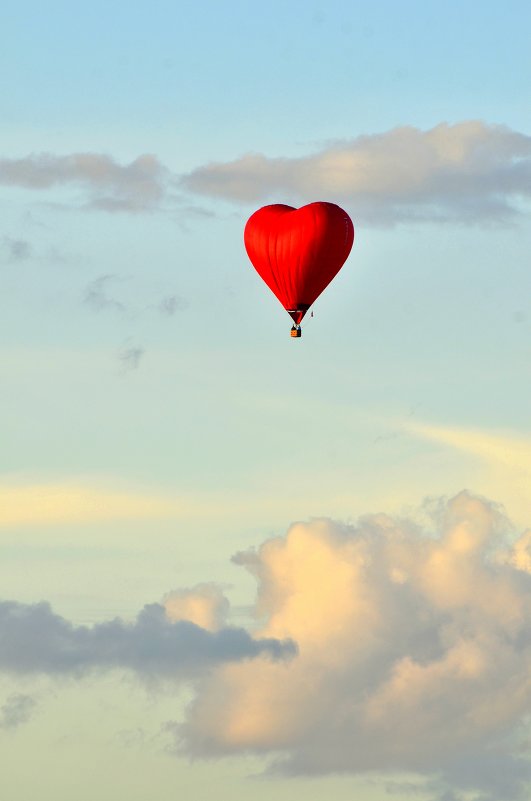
[171, 304]
[97, 295]
[101, 294]
[470, 172]
[130, 357]
[15, 250]
[16, 710]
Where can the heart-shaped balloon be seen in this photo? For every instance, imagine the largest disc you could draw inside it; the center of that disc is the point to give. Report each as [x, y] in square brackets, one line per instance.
[297, 252]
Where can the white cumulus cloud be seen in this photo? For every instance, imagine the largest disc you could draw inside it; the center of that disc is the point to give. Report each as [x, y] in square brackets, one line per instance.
[205, 605]
[414, 654]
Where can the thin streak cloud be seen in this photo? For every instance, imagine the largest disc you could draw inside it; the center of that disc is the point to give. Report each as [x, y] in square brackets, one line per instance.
[68, 503]
[501, 450]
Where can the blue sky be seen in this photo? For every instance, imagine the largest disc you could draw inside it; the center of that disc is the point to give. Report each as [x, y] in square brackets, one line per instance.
[158, 419]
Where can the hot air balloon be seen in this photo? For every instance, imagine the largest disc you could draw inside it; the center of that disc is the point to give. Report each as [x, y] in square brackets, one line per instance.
[297, 252]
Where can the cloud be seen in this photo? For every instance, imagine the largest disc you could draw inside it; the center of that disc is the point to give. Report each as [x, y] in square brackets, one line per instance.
[171, 304]
[138, 186]
[414, 654]
[16, 710]
[35, 640]
[17, 250]
[470, 172]
[129, 358]
[204, 605]
[97, 295]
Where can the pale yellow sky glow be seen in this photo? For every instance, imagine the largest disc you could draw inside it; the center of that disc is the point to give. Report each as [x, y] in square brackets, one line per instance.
[63, 503]
[499, 462]
[498, 450]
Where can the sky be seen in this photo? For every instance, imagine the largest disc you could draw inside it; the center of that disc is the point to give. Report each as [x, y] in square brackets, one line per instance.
[235, 564]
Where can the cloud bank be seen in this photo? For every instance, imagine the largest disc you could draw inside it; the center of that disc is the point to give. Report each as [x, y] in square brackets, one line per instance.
[414, 654]
[35, 640]
[470, 172]
[135, 187]
[392, 646]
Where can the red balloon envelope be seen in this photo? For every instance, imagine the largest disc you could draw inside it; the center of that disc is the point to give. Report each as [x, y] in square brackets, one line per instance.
[297, 252]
